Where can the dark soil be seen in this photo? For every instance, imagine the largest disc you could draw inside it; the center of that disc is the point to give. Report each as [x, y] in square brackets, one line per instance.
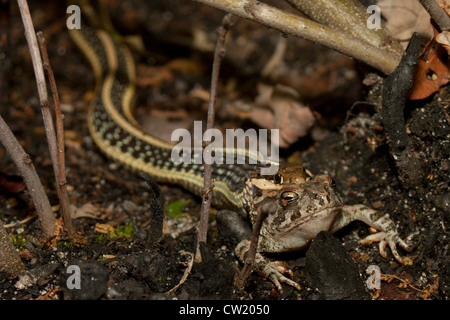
[348, 142]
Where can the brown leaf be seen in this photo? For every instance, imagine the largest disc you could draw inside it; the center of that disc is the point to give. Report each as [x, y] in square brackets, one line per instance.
[443, 39]
[445, 4]
[103, 228]
[432, 71]
[279, 108]
[88, 210]
[404, 17]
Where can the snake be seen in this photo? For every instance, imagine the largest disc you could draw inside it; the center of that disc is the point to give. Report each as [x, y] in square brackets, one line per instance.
[118, 135]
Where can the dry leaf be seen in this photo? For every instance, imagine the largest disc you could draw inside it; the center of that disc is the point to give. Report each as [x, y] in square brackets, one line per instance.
[88, 210]
[103, 228]
[443, 38]
[432, 71]
[445, 4]
[404, 17]
[279, 108]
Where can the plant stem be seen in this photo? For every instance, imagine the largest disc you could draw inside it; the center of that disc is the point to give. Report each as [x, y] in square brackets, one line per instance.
[208, 184]
[59, 160]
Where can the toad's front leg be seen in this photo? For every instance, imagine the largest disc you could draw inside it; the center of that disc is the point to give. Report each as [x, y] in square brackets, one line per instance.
[387, 234]
[237, 231]
[273, 270]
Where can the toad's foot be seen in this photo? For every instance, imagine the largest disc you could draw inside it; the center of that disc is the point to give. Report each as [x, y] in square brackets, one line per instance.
[388, 237]
[273, 270]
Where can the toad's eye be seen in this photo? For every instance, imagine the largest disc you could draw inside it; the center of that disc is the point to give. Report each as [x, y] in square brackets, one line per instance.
[288, 197]
[278, 178]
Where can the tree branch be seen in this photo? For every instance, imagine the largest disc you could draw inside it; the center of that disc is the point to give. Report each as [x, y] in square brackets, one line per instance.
[348, 16]
[296, 25]
[30, 177]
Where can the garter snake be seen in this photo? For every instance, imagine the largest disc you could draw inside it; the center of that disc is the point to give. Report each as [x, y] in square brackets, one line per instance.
[117, 134]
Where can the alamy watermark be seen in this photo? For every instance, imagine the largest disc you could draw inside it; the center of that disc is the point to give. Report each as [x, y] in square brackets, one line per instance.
[374, 21]
[74, 20]
[374, 279]
[74, 280]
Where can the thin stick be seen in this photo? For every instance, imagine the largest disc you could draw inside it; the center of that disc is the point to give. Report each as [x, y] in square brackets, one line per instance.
[30, 177]
[437, 14]
[62, 185]
[187, 271]
[42, 88]
[388, 277]
[202, 230]
[34, 51]
[302, 27]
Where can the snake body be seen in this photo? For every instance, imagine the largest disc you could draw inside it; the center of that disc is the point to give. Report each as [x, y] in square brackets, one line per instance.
[117, 134]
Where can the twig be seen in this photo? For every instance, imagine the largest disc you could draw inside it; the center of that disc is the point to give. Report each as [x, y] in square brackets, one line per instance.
[42, 91]
[30, 177]
[302, 27]
[62, 185]
[187, 271]
[208, 184]
[34, 51]
[18, 223]
[276, 57]
[437, 14]
[388, 277]
[9, 258]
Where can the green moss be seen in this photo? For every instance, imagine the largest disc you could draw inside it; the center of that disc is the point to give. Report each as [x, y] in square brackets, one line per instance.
[184, 240]
[65, 244]
[101, 238]
[125, 230]
[18, 240]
